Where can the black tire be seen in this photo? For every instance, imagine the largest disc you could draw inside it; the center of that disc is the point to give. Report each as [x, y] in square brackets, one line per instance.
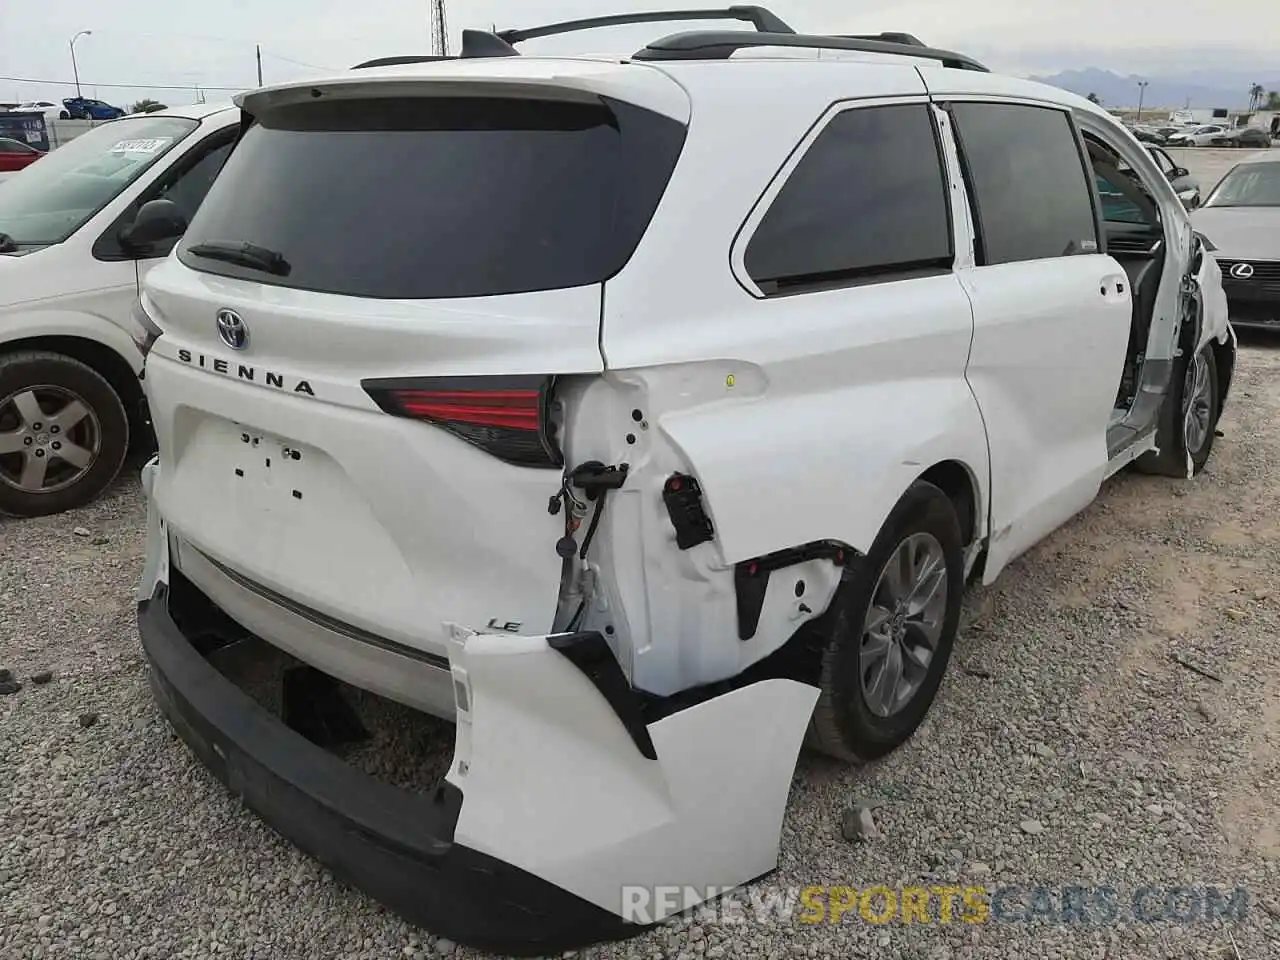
[53, 375]
[844, 725]
[63, 115]
[1171, 461]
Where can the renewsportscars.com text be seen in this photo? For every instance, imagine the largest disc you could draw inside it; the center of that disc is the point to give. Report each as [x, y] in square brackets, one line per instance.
[938, 903]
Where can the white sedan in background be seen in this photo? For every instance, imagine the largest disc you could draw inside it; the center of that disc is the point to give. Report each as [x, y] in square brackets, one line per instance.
[1197, 136]
[51, 110]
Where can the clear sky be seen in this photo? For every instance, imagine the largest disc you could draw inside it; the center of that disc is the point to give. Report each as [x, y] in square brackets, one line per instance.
[158, 44]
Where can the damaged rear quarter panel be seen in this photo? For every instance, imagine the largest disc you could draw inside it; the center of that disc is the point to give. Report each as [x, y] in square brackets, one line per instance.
[793, 469]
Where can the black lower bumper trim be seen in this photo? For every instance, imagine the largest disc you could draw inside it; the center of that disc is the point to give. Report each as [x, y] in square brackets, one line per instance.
[1253, 308]
[396, 846]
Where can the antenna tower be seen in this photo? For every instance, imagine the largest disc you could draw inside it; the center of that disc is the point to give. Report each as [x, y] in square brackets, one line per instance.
[439, 30]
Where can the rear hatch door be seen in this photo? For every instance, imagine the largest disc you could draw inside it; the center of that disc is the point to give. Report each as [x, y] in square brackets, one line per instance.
[363, 333]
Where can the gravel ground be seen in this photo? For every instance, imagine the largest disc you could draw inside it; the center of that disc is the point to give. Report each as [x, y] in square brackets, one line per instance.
[1067, 748]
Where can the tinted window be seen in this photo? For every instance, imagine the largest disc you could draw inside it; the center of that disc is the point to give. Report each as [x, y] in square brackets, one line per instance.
[439, 197]
[868, 199]
[191, 186]
[1027, 181]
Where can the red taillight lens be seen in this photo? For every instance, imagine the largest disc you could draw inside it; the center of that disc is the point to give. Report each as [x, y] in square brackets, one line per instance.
[507, 417]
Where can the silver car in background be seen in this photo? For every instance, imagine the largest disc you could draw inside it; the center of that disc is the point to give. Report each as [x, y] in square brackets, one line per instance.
[1241, 220]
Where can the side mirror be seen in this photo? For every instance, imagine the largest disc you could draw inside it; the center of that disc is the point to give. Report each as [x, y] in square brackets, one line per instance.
[157, 221]
[1190, 198]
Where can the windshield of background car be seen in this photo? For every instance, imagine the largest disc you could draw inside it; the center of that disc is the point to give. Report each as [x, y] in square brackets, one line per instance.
[49, 201]
[435, 197]
[1248, 185]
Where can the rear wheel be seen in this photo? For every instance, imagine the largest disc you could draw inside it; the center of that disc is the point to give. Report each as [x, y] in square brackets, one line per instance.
[885, 643]
[1188, 419]
[63, 434]
[63, 115]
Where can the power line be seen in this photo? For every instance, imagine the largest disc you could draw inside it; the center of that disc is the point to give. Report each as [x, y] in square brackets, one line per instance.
[125, 86]
[297, 63]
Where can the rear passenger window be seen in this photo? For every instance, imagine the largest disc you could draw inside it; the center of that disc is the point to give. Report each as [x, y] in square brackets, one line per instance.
[868, 201]
[1027, 182]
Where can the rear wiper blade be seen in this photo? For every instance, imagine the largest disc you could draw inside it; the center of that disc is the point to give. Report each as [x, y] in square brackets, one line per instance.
[243, 253]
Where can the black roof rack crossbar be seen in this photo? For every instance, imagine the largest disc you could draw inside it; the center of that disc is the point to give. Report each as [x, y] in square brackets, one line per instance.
[720, 45]
[395, 61]
[763, 20]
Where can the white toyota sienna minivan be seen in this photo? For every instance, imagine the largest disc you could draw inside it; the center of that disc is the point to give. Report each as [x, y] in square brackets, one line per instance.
[644, 416]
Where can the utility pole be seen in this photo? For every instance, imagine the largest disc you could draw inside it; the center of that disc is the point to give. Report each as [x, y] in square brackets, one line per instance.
[1142, 93]
[258, 49]
[74, 69]
[439, 29]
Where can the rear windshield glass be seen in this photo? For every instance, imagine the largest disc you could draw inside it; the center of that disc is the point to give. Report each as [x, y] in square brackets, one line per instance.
[423, 198]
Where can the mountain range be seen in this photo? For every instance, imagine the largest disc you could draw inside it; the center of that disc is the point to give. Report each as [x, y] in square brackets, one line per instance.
[1171, 92]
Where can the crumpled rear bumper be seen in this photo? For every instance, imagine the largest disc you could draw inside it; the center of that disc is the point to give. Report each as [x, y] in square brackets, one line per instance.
[562, 797]
[398, 847]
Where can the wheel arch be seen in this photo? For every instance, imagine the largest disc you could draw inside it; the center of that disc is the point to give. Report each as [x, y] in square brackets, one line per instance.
[100, 357]
[958, 482]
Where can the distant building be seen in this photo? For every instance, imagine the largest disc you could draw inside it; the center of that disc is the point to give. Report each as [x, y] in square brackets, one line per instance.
[1201, 115]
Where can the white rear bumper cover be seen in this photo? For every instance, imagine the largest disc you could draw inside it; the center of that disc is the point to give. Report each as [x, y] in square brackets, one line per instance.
[560, 795]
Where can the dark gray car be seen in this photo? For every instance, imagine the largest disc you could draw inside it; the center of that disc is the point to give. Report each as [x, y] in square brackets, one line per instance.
[1241, 220]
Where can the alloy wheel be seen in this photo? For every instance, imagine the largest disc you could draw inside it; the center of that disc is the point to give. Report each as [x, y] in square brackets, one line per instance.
[49, 439]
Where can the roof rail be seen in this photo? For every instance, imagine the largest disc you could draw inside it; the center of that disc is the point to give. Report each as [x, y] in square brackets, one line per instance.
[395, 61]
[501, 43]
[722, 44]
[905, 38]
[763, 20]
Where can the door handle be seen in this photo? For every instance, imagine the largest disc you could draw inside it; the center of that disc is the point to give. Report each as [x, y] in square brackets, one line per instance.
[1114, 286]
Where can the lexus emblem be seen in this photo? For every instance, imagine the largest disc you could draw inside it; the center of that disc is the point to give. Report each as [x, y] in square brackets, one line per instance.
[1242, 271]
[231, 330]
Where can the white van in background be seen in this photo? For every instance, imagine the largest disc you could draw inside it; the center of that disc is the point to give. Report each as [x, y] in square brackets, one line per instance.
[78, 231]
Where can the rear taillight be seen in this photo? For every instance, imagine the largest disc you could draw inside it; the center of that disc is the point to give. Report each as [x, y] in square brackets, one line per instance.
[507, 417]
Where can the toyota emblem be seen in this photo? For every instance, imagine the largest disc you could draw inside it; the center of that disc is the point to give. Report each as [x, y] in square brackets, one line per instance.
[231, 330]
[1242, 271]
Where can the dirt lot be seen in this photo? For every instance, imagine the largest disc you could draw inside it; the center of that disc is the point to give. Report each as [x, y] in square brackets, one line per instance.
[1112, 720]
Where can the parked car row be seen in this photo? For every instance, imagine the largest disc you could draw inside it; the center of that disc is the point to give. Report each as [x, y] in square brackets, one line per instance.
[1203, 135]
[73, 108]
[1243, 137]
